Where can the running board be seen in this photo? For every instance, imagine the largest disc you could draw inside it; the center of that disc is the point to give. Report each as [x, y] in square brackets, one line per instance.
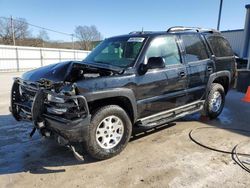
[170, 115]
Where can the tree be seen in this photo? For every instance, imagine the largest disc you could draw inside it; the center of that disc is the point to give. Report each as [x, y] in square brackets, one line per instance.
[86, 35]
[43, 36]
[19, 26]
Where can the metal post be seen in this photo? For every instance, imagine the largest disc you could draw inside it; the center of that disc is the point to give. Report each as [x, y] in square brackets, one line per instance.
[12, 31]
[248, 64]
[219, 17]
[41, 56]
[73, 44]
[60, 56]
[246, 45]
[17, 60]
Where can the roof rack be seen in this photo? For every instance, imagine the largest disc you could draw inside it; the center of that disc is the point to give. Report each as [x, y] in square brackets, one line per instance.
[196, 29]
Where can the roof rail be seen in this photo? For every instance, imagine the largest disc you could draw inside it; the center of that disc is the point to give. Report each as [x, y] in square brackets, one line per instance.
[196, 29]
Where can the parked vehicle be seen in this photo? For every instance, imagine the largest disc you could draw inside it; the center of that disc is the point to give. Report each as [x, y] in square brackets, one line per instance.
[139, 79]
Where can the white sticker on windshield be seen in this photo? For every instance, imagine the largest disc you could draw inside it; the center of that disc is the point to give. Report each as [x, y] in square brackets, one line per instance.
[136, 39]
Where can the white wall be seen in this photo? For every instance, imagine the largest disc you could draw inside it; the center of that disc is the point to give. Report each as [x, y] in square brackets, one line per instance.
[17, 58]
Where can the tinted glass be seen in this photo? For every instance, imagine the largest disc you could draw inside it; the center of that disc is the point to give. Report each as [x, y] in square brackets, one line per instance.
[220, 46]
[194, 47]
[166, 48]
[118, 51]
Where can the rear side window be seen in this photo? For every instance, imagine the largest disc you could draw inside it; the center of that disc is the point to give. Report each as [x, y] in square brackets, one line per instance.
[194, 47]
[166, 48]
[220, 46]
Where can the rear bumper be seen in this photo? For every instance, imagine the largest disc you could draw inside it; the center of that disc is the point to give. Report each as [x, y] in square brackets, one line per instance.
[36, 110]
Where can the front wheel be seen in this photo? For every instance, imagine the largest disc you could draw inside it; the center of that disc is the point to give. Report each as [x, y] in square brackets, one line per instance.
[109, 132]
[215, 101]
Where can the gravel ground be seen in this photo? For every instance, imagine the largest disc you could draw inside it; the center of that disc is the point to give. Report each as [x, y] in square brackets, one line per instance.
[160, 157]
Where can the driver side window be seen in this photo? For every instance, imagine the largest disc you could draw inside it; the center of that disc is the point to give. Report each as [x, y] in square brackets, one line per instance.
[166, 48]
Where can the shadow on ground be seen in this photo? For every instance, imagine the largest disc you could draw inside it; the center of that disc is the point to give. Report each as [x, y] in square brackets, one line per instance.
[19, 153]
[36, 155]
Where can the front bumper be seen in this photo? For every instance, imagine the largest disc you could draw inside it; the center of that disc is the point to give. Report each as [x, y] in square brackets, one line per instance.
[35, 109]
[75, 131]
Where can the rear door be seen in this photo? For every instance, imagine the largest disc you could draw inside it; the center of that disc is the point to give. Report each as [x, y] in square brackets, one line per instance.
[223, 53]
[199, 65]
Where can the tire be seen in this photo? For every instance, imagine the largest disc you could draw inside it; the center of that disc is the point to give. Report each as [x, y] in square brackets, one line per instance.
[115, 121]
[213, 107]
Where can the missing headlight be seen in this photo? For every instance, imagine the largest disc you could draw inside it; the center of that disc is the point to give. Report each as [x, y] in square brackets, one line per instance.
[58, 111]
[55, 99]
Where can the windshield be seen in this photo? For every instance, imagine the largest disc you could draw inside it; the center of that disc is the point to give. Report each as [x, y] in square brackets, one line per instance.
[119, 51]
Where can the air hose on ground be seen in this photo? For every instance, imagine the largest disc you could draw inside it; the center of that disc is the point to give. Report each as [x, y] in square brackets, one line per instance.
[234, 152]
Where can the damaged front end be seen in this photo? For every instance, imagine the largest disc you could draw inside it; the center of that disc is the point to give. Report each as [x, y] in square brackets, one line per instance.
[53, 107]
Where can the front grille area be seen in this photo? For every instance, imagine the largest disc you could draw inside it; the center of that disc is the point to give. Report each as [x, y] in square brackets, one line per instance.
[27, 93]
[32, 101]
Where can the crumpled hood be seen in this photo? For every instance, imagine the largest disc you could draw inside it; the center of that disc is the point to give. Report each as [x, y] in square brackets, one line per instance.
[54, 72]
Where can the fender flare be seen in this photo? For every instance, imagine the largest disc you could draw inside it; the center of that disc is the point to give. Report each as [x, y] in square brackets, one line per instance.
[215, 75]
[110, 93]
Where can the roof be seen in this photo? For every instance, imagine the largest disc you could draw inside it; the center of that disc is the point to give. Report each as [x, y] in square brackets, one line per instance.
[172, 30]
[142, 34]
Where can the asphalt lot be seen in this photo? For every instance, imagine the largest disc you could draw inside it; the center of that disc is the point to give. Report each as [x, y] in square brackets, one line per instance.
[160, 157]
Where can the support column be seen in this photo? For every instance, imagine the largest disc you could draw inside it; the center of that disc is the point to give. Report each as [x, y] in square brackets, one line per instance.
[246, 45]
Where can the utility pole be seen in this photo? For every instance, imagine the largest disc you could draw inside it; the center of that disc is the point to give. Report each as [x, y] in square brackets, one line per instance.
[219, 17]
[12, 31]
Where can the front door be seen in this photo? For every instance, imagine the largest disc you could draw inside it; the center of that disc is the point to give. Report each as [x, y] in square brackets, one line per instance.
[162, 89]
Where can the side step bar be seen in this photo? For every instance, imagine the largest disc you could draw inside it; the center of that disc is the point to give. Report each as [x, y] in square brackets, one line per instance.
[170, 115]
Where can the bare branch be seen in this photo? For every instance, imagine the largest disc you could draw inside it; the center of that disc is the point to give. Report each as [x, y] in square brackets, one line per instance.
[21, 30]
[87, 35]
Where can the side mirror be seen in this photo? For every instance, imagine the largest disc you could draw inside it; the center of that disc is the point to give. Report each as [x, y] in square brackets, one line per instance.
[153, 63]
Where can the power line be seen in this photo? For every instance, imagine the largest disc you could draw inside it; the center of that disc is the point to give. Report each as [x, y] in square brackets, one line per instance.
[40, 27]
[37, 26]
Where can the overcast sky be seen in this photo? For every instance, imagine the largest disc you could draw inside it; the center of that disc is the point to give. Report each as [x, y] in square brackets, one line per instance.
[119, 17]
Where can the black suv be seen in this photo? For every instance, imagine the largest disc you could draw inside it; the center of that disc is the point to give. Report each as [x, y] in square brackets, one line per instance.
[139, 79]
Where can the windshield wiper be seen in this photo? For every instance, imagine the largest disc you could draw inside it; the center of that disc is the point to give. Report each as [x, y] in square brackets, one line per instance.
[103, 65]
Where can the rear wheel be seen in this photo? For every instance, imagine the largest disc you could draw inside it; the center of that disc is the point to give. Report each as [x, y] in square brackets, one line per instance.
[110, 130]
[215, 101]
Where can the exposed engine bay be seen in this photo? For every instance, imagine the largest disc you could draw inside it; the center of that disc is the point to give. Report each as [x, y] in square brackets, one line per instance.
[79, 72]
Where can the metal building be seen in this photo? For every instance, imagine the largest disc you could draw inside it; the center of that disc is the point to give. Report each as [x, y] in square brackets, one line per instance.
[236, 39]
[240, 38]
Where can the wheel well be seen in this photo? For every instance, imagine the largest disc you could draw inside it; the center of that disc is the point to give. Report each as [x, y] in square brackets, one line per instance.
[224, 81]
[123, 102]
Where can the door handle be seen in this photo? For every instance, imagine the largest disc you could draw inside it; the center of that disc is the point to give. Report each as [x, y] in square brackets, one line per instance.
[182, 74]
[209, 69]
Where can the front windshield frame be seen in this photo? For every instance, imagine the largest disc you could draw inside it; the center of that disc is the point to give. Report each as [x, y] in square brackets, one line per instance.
[99, 48]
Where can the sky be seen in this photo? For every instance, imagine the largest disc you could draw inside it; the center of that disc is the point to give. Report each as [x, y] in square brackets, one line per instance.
[120, 17]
